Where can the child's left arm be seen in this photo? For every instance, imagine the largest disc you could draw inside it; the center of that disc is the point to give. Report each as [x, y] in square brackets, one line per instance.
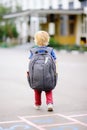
[53, 55]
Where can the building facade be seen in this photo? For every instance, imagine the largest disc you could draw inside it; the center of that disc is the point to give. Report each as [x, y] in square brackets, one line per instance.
[65, 20]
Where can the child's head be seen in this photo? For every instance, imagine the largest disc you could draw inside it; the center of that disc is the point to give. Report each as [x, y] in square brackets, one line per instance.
[42, 38]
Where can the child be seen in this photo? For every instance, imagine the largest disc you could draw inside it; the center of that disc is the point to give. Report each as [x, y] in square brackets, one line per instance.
[42, 40]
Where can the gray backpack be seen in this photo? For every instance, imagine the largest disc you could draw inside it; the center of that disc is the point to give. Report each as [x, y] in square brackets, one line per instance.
[42, 69]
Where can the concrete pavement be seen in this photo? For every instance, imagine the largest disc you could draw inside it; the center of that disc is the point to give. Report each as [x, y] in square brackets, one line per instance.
[16, 98]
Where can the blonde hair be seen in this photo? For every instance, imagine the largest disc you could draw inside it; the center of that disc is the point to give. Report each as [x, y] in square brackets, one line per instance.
[42, 38]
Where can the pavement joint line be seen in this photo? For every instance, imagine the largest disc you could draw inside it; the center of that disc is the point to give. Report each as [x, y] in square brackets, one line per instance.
[39, 115]
[78, 115]
[57, 114]
[30, 123]
[53, 115]
[49, 125]
[8, 122]
[72, 119]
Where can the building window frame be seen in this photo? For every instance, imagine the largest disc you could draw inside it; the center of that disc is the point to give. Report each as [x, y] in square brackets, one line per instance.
[63, 25]
[71, 5]
[71, 24]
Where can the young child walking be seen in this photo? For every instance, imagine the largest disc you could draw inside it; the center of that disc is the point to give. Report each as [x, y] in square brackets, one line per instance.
[42, 49]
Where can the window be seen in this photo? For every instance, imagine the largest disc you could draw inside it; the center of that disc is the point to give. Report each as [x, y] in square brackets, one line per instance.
[71, 5]
[84, 24]
[63, 24]
[83, 4]
[72, 24]
[71, 28]
[60, 6]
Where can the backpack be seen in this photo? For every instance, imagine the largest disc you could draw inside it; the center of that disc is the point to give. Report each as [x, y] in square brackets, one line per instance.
[42, 69]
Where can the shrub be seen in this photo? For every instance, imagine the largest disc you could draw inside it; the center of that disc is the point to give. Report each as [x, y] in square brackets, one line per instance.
[54, 43]
[67, 47]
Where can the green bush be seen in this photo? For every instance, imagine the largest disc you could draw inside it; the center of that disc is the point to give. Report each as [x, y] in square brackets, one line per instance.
[67, 47]
[1, 33]
[11, 31]
[14, 32]
[54, 43]
[3, 44]
[8, 30]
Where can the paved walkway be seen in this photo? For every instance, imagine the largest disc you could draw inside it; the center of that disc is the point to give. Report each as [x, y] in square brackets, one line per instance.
[16, 98]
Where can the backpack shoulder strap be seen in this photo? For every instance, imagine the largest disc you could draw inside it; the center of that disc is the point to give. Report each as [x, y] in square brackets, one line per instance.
[43, 50]
[49, 49]
[33, 50]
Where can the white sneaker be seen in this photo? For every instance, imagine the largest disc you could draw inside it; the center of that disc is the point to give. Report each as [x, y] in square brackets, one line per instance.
[37, 107]
[50, 107]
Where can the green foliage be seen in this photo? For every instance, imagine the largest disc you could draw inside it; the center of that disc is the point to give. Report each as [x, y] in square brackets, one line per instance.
[4, 10]
[67, 47]
[1, 33]
[8, 30]
[14, 31]
[18, 8]
[7, 27]
[3, 44]
[53, 43]
[11, 31]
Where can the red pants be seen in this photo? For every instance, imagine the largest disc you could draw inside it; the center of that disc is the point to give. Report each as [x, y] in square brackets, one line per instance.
[49, 97]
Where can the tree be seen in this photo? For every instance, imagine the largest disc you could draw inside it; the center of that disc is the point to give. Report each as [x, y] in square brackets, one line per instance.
[7, 27]
[14, 31]
[1, 33]
[10, 30]
[4, 10]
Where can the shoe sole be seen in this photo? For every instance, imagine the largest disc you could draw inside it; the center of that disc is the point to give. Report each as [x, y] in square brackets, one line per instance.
[50, 109]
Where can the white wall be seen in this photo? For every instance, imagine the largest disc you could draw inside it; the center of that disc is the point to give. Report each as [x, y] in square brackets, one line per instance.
[55, 4]
[38, 4]
[77, 4]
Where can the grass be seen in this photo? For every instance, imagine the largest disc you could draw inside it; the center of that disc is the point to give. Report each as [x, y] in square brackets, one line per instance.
[6, 45]
[3, 44]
